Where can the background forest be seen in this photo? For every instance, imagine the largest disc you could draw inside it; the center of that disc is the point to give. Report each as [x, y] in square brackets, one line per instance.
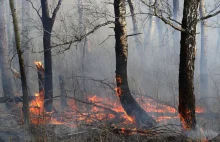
[99, 70]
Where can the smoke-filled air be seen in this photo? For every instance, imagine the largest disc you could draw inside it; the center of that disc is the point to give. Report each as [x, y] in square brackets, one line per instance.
[109, 71]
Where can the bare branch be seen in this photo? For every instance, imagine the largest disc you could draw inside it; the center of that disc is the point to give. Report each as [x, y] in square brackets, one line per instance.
[37, 11]
[174, 20]
[106, 39]
[134, 34]
[209, 16]
[166, 21]
[160, 16]
[56, 10]
[77, 39]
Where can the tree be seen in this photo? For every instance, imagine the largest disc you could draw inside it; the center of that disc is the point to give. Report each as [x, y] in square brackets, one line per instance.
[131, 107]
[187, 64]
[81, 32]
[135, 24]
[24, 39]
[176, 35]
[203, 56]
[48, 23]
[187, 56]
[21, 64]
[175, 8]
[4, 64]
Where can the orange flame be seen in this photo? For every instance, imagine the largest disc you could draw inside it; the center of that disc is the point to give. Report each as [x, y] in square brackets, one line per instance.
[98, 112]
[36, 108]
[38, 64]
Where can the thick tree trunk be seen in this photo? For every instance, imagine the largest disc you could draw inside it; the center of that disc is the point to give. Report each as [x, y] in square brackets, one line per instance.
[21, 64]
[48, 23]
[131, 107]
[4, 63]
[187, 63]
[48, 72]
[203, 56]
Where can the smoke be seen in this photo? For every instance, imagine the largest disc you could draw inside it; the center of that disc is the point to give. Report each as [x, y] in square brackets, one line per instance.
[152, 72]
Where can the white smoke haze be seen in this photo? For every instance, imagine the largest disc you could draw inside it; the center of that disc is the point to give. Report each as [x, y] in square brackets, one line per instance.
[152, 72]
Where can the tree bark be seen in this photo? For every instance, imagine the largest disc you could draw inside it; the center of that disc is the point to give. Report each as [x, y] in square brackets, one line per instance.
[4, 63]
[187, 63]
[131, 107]
[21, 64]
[203, 56]
[48, 23]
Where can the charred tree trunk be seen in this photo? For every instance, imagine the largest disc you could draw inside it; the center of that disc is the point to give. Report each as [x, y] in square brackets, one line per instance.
[4, 64]
[203, 56]
[40, 74]
[21, 64]
[63, 93]
[187, 63]
[48, 23]
[131, 107]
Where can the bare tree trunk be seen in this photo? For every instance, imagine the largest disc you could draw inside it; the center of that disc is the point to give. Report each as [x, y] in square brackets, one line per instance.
[4, 62]
[203, 56]
[176, 35]
[8, 25]
[135, 24]
[175, 8]
[82, 48]
[21, 64]
[131, 107]
[187, 63]
[48, 23]
[151, 27]
[24, 32]
[63, 93]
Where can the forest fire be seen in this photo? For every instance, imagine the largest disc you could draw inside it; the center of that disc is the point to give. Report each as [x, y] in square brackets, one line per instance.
[38, 64]
[37, 109]
[97, 109]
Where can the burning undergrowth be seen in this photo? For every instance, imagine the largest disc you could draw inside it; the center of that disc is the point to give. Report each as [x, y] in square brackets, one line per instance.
[101, 110]
[102, 119]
